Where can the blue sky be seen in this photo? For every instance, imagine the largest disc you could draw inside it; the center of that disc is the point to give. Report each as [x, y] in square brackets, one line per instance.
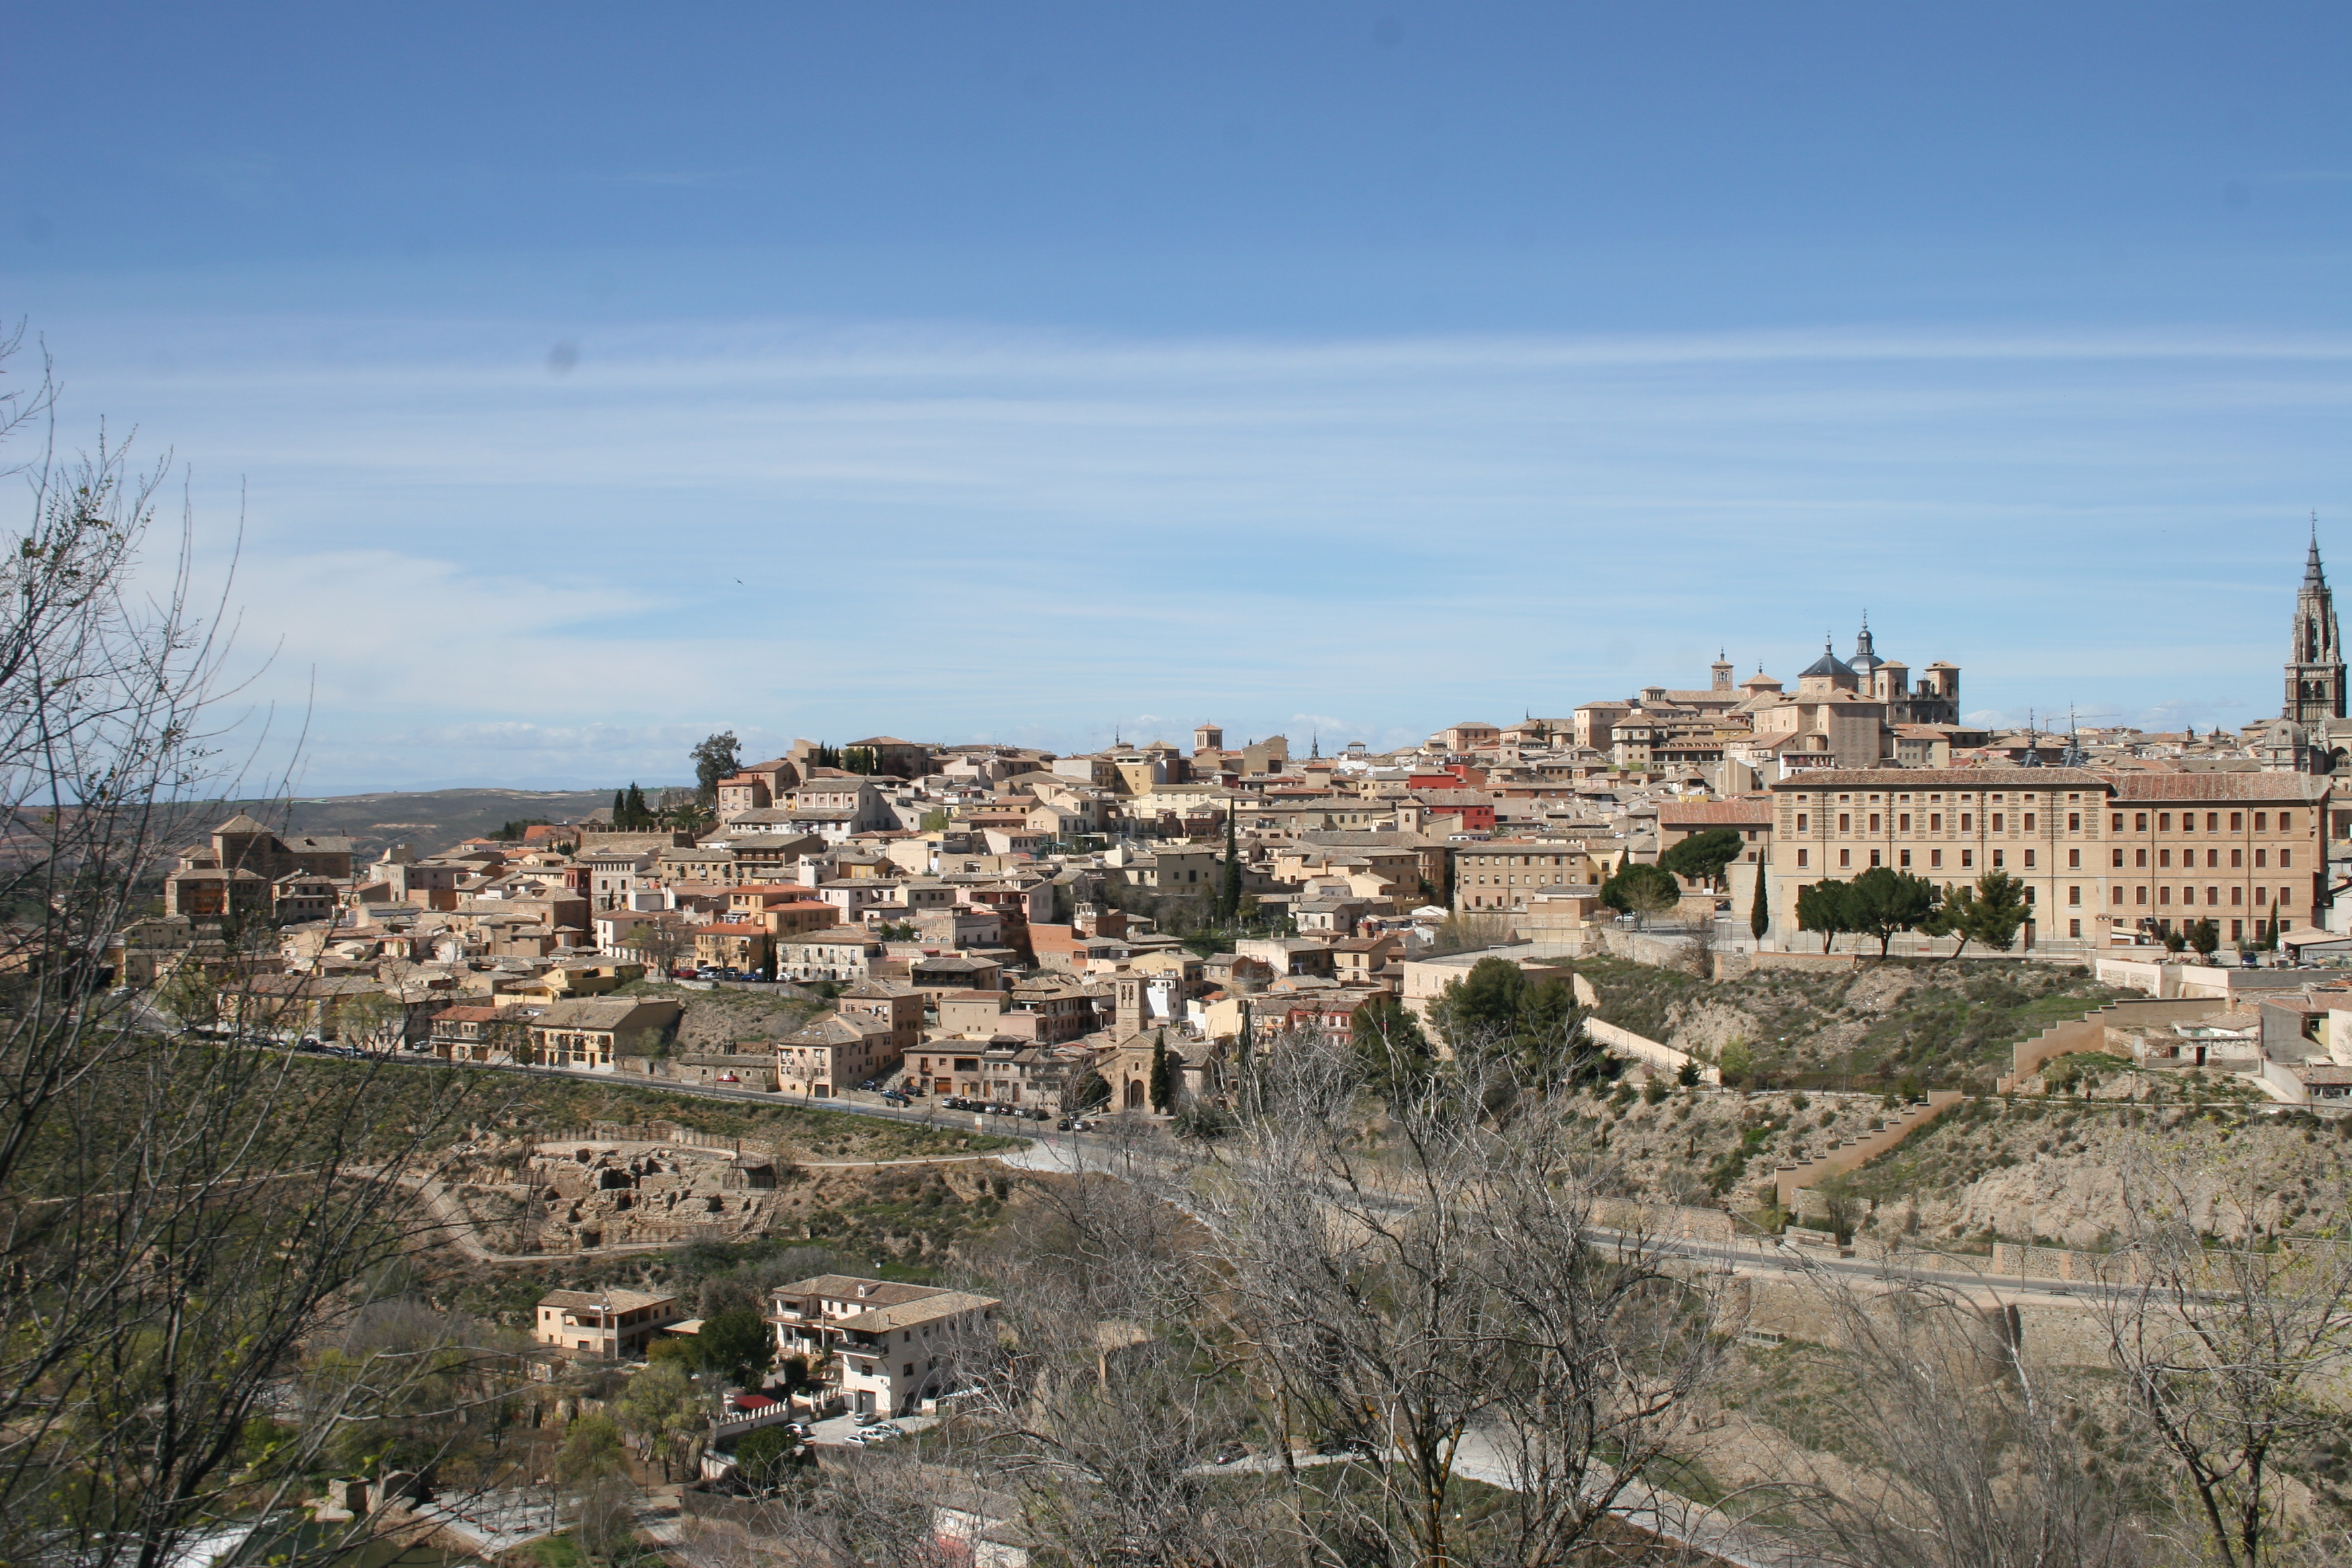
[598, 376]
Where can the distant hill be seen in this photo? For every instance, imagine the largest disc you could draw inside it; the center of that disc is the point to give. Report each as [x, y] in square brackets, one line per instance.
[426, 820]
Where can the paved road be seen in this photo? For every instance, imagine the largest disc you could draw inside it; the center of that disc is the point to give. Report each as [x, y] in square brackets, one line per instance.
[1045, 1149]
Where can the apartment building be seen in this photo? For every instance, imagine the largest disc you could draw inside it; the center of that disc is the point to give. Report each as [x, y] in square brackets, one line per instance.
[886, 1346]
[611, 1325]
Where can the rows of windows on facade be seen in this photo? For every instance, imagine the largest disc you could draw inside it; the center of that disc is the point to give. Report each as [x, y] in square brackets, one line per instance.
[2243, 847]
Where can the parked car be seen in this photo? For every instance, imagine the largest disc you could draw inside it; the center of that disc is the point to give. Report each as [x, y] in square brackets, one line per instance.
[892, 1096]
[1340, 1448]
[1066, 1125]
[867, 1419]
[1232, 1453]
[1033, 1113]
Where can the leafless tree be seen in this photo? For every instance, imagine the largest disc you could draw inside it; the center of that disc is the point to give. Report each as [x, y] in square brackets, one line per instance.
[179, 1217]
[2235, 1347]
[1959, 1454]
[1442, 1296]
[1109, 1381]
[868, 1510]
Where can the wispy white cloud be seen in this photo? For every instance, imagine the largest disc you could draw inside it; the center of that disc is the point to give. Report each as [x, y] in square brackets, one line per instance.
[821, 531]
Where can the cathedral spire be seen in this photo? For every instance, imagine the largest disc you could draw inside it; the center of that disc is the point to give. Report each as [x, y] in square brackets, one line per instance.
[2316, 674]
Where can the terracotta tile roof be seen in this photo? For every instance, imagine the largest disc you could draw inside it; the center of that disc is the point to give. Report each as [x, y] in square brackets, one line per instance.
[2298, 787]
[1757, 811]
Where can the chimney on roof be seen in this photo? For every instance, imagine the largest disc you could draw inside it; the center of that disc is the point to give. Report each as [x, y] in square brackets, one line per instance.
[866, 1290]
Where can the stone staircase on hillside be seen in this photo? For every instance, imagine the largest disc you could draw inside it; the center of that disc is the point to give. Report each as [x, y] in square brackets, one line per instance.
[2089, 1032]
[1855, 1153]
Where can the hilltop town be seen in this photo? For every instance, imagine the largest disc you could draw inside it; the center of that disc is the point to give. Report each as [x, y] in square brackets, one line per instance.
[1811, 971]
[1002, 925]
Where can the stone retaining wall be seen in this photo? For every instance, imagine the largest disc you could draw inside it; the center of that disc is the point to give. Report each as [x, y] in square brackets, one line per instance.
[1661, 1059]
[2089, 1032]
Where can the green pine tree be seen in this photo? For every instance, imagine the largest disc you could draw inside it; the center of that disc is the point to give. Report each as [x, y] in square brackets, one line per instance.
[1759, 913]
[620, 808]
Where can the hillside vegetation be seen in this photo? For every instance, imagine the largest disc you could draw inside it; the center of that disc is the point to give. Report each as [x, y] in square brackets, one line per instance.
[1941, 1023]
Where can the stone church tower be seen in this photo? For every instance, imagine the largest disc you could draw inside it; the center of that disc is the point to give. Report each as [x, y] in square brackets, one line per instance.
[2315, 666]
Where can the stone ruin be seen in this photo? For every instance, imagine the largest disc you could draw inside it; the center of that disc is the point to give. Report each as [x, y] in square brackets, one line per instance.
[595, 1195]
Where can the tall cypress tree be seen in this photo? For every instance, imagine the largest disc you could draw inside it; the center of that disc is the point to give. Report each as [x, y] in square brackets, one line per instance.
[620, 808]
[1163, 1075]
[1759, 914]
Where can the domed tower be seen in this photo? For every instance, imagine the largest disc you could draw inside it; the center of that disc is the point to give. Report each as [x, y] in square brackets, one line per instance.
[2315, 665]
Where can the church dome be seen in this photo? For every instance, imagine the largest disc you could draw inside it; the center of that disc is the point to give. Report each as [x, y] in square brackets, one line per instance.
[1828, 664]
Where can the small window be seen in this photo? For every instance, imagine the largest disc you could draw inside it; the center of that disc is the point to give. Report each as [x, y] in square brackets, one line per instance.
[1996, 859]
[2074, 928]
[2118, 826]
[2029, 822]
[2286, 859]
[1935, 859]
[2261, 822]
[1935, 821]
[2139, 822]
[1968, 859]
[2237, 825]
[1873, 822]
[1967, 821]
[2164, 822]
[2286, 822]
[2074, 822]
[1902, 823]
[1997, 818]
[2029, 859]
[1845, 858]
[1800, 822]
[1802, 859]
[2073, 860]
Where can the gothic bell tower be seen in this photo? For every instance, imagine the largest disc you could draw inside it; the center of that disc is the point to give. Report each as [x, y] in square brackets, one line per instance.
[2315, 666]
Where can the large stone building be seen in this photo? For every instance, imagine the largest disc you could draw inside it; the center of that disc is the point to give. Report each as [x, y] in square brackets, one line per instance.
[249, 870]
[1845, 713]
[2095, 851]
